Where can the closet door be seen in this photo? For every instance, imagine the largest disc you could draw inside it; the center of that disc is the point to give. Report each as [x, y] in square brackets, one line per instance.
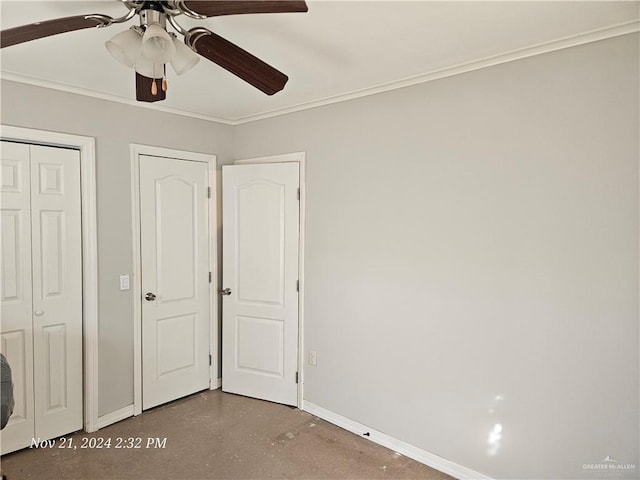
[16, 331]
[57, 290]
[41, 288]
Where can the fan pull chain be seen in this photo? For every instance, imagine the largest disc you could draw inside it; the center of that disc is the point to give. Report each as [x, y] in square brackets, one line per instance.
[154, 88]
[164, 78]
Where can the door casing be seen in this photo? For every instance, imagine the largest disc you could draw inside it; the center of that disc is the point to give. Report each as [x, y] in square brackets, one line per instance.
[300, 158]
[87, 148]
[136, 151]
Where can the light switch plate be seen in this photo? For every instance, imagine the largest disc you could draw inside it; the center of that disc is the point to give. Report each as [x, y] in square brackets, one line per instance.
[124, 282]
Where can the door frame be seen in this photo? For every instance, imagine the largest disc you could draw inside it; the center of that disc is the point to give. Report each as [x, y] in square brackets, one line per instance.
[87, 148]
[300, 158]
[137, 150]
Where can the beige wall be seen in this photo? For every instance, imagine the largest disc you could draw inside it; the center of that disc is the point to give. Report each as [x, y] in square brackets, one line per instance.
[476, 238]
[115, 126]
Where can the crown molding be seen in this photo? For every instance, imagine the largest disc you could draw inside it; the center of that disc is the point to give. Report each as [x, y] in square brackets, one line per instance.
[560, 44]
[567, 42]
[19, 78]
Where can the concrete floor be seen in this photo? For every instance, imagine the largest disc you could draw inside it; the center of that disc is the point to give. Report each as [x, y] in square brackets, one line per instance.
[214, 435]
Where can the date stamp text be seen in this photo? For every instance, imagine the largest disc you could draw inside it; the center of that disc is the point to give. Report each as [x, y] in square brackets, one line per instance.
[101, 442]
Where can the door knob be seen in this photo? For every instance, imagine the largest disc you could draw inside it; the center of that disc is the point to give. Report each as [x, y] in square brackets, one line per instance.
[226, 291]
[150, 297]
[39, 313]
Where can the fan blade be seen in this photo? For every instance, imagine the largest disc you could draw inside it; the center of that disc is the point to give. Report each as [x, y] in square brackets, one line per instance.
[33, 31]
[237, 61]
[215, 8]
[143, 89]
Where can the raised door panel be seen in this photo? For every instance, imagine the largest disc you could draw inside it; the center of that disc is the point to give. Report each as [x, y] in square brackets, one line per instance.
[259, 345]
[177, 344]
[12, 257]
[260, 243]
[177, 239]
[57, 290]
[52, 254]
[16, 348]
[55, 354]
[15, 290]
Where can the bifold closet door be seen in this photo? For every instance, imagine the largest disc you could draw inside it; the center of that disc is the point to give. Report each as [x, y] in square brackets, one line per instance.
[41, 327]
[16, 326]
[57, 290]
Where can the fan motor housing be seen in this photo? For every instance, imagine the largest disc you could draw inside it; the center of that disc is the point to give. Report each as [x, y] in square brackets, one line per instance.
[158, 6]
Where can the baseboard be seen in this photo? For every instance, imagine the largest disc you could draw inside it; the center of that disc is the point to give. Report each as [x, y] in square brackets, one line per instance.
[430, 459]
[113, 417]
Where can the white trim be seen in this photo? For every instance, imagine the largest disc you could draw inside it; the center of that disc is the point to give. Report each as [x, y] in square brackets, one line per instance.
[285, 157]
[135, 151]
[567, 42]
[216, 384]
[38, 82]
[299, 157]
[213, 268]
[430, 459]
[87, 148]
[113, 417]
[90, 283]
[560, 44]
[136, 277]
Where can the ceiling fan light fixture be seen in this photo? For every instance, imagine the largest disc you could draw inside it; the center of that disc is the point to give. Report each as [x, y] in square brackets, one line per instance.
[184, 59]
[157, 44]
[149, 47]
[126, 46]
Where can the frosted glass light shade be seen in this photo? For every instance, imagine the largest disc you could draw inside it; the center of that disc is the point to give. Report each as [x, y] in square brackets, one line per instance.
[148, 68]
[184, 59]
[125, 47]
[157, 44]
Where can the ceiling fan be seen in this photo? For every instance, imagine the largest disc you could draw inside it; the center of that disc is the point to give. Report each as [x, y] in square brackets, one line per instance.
[150, 46]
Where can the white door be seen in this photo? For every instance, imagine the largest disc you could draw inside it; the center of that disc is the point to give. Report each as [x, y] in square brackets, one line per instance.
[57, 290]
[260, 275]
[42, 290]
[16, 323]
[175, 278]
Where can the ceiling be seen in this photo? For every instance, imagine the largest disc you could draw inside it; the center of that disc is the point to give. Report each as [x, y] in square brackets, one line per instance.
[337, 50]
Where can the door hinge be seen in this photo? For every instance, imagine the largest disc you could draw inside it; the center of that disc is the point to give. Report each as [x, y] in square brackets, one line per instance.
[209, 359]
[297, 285]
[297, 377]
[210, 276]
[208, 192]
[298, 194]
